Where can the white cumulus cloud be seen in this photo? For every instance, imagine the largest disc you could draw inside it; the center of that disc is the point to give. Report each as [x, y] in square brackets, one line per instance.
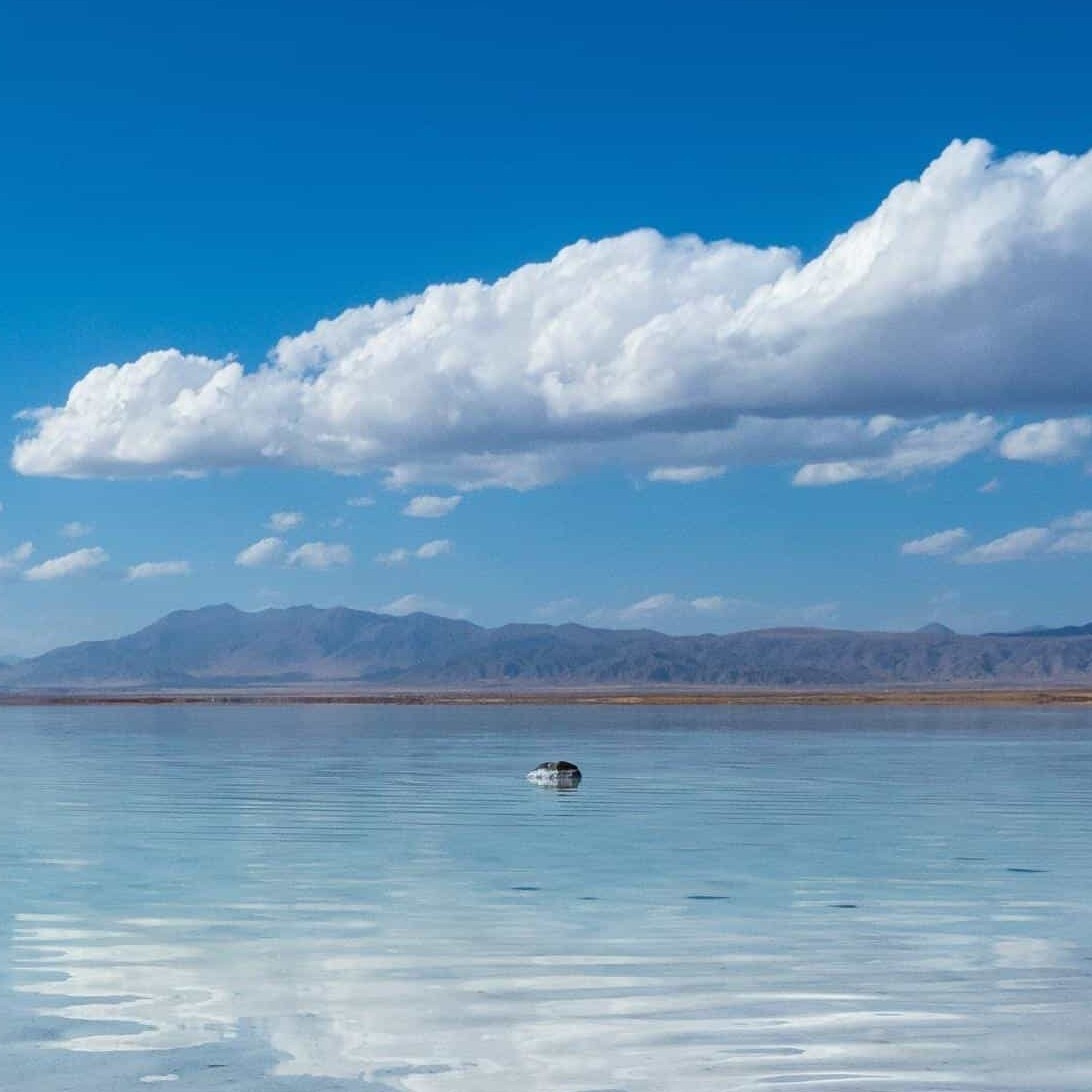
[360, 502]
[649, 606]
[425, 552]
[414, 603]
[682, 614]
[76, 529]
[284, 521]
[667, 604]
[79, 561]
[1015, 546]
[961, 294]
[943, 542]
[1070, 534]
[927, 447]
[684, 475]
[429, 507]
[398, 556]
[151, 570]
[265, 551]
[1072, 542]
[1048, 441]
[320, 555]
[15, 557]
[436, 548]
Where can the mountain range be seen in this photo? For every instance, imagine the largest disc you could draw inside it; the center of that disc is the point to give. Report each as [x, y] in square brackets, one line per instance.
[221, 646]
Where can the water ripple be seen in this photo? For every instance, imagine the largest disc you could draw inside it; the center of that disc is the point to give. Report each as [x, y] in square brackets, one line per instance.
[734, 900]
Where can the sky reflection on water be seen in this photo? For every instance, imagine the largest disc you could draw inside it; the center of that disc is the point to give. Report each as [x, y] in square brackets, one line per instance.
[316, 898]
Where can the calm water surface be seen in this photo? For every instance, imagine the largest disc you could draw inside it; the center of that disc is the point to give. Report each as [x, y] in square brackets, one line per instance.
[318, 898]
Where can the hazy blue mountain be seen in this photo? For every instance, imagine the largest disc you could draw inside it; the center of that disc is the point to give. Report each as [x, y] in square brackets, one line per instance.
[1046, 631]
[222, 646]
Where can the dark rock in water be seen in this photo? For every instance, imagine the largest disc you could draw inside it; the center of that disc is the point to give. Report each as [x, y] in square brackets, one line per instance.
[555, 773]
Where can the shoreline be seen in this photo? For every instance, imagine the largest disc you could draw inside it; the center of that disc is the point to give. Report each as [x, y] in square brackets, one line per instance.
[954, 696]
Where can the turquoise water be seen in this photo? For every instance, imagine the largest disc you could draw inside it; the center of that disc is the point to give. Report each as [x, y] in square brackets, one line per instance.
[317, 898]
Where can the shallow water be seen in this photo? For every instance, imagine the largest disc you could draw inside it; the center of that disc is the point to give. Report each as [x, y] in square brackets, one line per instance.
[315, 898]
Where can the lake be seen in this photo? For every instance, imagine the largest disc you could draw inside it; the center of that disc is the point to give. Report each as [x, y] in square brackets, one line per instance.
[309, 898]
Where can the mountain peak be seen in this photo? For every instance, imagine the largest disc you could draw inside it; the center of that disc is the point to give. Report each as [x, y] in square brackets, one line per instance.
[213, 610]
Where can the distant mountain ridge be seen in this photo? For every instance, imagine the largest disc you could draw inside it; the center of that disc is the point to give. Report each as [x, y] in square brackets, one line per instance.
[1046, 631]
[221, 646]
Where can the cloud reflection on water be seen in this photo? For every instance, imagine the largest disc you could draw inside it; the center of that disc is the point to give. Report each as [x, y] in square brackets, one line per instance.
[820, 909]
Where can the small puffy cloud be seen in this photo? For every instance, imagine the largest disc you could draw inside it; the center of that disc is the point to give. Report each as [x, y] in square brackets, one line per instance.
[152, 570]
[436, 548]
[943, 542]
[928, 447]
[690, 614]
[1073, 534]
[992, 486]
[1072, 542]
[15, 557]
[685, 475]
[430, 507]
[266, 551]
[360, 502]
[649, 607]
[284, 521]
[320, 555]
[79, 561]
[414, 603]
[945, 301]
[1070, 534]
[311, 555]
[1048, 441]
[399, 556]
[406, 604]
[832, 473]
[76, 529]
[1015, 546]
[1078, 521]
[667, 604]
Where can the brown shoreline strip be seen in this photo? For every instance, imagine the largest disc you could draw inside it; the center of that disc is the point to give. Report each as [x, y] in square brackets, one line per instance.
[998, 697]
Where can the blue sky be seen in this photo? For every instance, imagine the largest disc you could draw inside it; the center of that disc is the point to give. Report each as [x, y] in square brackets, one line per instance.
[708, 418]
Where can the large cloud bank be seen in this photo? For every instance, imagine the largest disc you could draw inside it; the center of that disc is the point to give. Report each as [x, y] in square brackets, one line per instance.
[960, 297]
